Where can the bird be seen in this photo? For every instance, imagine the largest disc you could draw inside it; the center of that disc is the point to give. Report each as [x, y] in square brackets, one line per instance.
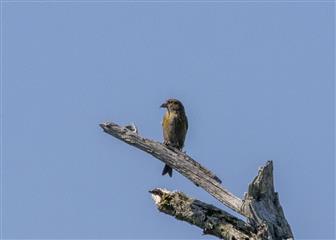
[174, 126]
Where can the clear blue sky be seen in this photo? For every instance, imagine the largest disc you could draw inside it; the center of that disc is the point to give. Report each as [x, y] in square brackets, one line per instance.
[256, 80]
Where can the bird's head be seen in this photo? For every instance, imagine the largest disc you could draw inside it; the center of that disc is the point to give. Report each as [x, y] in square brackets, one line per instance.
[173, 105]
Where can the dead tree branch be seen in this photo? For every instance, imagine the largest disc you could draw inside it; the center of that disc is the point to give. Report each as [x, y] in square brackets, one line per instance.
[180, 162]
[210, 219]
[260, 205]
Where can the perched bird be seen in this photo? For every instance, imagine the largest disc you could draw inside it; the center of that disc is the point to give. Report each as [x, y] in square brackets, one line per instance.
[175, 126]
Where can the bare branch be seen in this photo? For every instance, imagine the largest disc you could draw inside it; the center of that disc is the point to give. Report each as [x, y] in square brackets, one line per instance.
[180, 162]
[211, 219]
[260, 205]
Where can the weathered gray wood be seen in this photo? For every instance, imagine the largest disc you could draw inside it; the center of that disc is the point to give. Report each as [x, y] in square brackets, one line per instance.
[261, 204]
[210, 219]
[180, 162]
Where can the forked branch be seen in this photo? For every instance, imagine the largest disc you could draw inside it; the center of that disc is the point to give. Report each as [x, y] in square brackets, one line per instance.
[261, 206]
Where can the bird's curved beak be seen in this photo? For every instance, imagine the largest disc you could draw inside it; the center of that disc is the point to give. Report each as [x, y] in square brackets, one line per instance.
[163, 105]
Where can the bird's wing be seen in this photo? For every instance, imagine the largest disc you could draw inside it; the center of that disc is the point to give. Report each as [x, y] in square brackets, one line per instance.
[186, 120]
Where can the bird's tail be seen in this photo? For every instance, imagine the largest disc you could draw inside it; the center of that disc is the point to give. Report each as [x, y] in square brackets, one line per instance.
[168, 170]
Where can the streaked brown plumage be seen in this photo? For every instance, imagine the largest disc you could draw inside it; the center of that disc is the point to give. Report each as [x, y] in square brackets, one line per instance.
[175, 126]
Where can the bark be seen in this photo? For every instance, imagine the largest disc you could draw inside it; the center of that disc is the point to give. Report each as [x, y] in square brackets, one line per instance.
[210, 219]
[180, 162]
[261, 206]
